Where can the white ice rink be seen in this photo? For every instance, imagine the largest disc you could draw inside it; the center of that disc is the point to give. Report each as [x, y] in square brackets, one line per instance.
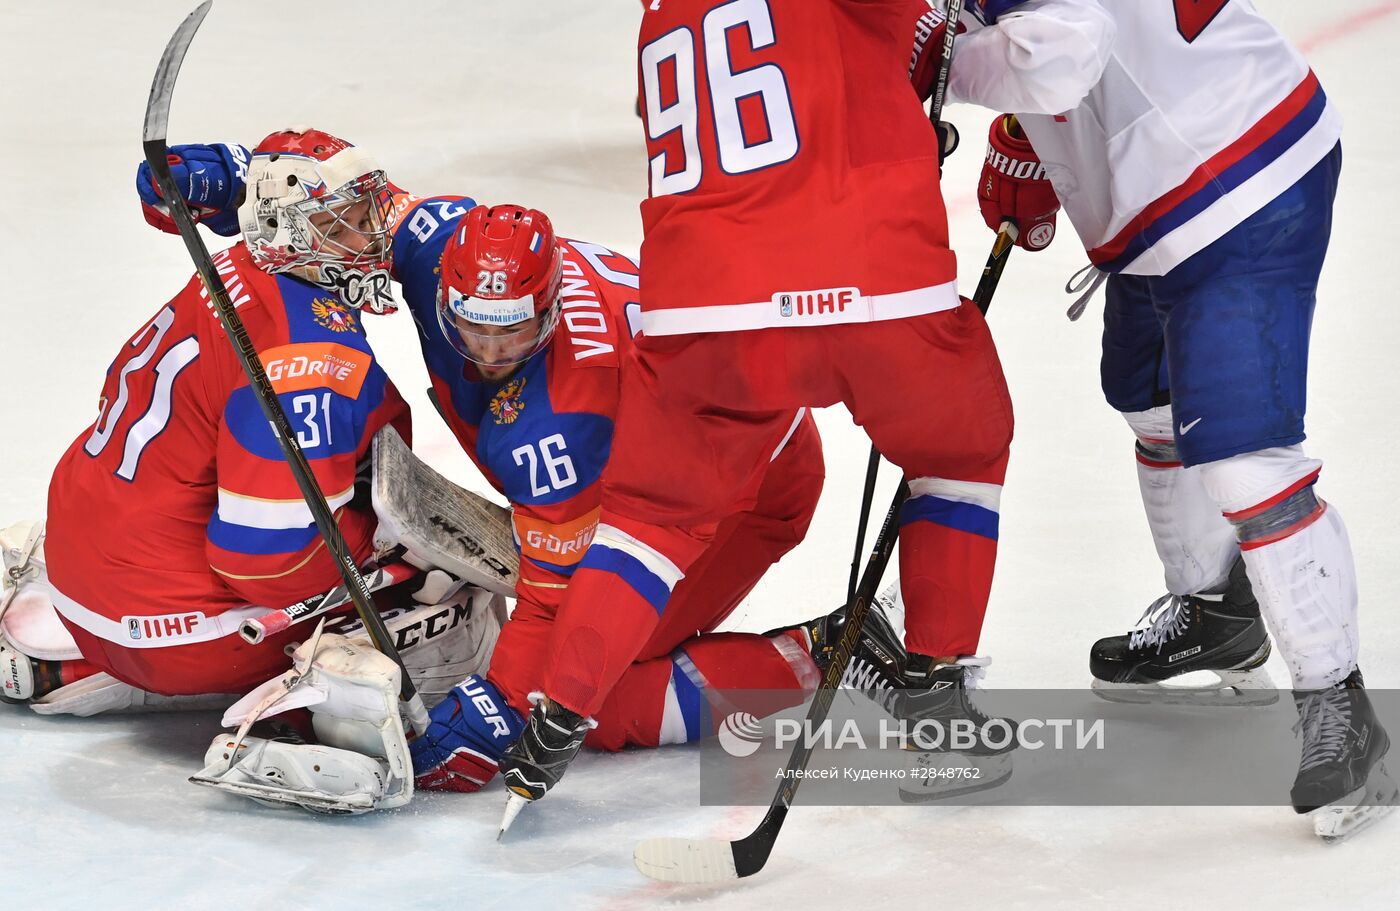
[533, 103]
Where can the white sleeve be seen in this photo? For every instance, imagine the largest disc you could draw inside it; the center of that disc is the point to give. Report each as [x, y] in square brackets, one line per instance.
[1043, 58]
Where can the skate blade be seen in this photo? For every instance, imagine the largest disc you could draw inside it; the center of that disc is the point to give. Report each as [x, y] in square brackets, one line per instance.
[1358, 811]
[932, 777]
[1230, 688]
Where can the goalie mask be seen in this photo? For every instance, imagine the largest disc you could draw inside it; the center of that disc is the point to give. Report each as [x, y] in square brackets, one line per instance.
[498, 299]
[315, 209]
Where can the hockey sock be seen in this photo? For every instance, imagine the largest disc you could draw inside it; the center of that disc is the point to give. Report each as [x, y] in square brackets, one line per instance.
[947, 554]
[684, 696]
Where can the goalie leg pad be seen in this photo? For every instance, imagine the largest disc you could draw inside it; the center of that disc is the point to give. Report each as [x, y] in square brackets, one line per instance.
[440, 643]
[321, 779]
[352, 692]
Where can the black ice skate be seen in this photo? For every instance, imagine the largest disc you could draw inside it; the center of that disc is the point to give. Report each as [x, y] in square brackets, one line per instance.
[1342, 782]
[536, 762]
[876, 667]
[1221, 634]
[935, 706]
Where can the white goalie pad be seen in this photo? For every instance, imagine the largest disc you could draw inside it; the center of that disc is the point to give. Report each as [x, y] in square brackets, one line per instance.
[103, 694]
[438, 523]
[276, 774]
[28, 620]
[441, 644]
[362, 762]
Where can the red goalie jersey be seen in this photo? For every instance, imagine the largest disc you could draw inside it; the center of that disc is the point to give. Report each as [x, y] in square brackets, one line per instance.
[175, 511]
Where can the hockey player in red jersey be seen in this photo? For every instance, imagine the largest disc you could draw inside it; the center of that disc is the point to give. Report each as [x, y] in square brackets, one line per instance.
[795, 254]
[526, 338]
[1210, 225]
[173, 513]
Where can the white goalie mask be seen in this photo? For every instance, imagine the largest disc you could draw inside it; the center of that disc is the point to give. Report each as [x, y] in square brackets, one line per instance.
[316, 208]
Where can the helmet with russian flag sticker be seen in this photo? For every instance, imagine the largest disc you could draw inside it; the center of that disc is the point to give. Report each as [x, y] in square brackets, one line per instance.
[498, 296]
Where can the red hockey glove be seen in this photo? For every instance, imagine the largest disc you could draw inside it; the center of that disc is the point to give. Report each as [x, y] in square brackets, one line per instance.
[1014, 186]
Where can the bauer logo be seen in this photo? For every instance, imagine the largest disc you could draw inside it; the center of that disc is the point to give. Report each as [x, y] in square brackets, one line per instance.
[740, 734]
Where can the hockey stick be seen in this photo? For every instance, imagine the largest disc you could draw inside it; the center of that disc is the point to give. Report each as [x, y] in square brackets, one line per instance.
[996, 262]
[153, 143]
[867, 498]
[685, 860]
[715, 860]
[255, 629]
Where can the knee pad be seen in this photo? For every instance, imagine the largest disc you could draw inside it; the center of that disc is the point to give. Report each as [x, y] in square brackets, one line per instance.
[1156, 443]
[1266, 495]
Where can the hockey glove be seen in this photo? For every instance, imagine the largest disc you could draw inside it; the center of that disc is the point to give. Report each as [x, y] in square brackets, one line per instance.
[211, 179]
[1014, 186]
[468, 732]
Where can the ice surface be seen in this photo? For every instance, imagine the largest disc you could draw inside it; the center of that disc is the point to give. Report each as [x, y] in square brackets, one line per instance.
[532, 103]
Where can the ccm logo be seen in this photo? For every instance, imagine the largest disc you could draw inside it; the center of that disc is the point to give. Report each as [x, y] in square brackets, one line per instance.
[174, 626]
[1015, 168]
[815, 303]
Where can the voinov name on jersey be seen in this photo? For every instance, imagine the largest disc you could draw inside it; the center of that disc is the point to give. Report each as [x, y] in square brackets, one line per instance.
[955, 734]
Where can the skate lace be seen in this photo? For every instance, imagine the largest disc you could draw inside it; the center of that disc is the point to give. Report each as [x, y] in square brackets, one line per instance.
[1324, 721]
[867, 678]
[974, 671]
[1167, 619]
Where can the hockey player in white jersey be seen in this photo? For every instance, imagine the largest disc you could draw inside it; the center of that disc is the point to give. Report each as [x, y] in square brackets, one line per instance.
[1197, 156]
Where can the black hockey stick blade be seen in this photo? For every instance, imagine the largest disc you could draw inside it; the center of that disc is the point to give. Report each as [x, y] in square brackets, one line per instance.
[154, 145]
[163, 88]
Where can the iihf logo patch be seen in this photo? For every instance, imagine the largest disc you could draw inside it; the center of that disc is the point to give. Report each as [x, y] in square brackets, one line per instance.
[785, 304]
[133, 628]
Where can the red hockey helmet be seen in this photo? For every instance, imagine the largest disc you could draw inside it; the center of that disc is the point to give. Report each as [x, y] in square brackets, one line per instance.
[315, 208]
[498, 298]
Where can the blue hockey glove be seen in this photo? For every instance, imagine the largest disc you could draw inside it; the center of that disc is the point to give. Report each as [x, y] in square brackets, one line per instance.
[211, 179]
[467, 734]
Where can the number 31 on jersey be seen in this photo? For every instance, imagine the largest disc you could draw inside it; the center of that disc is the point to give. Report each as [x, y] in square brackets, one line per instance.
[671, 68]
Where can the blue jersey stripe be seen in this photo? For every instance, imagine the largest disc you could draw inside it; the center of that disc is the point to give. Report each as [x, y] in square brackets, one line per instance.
[968, 517]
[628, 568]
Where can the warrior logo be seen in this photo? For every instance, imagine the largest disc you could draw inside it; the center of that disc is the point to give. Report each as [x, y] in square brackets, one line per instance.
[506, 404]
[333, 315]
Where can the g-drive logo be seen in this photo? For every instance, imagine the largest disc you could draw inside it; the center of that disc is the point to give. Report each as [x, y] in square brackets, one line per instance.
[742, 735]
